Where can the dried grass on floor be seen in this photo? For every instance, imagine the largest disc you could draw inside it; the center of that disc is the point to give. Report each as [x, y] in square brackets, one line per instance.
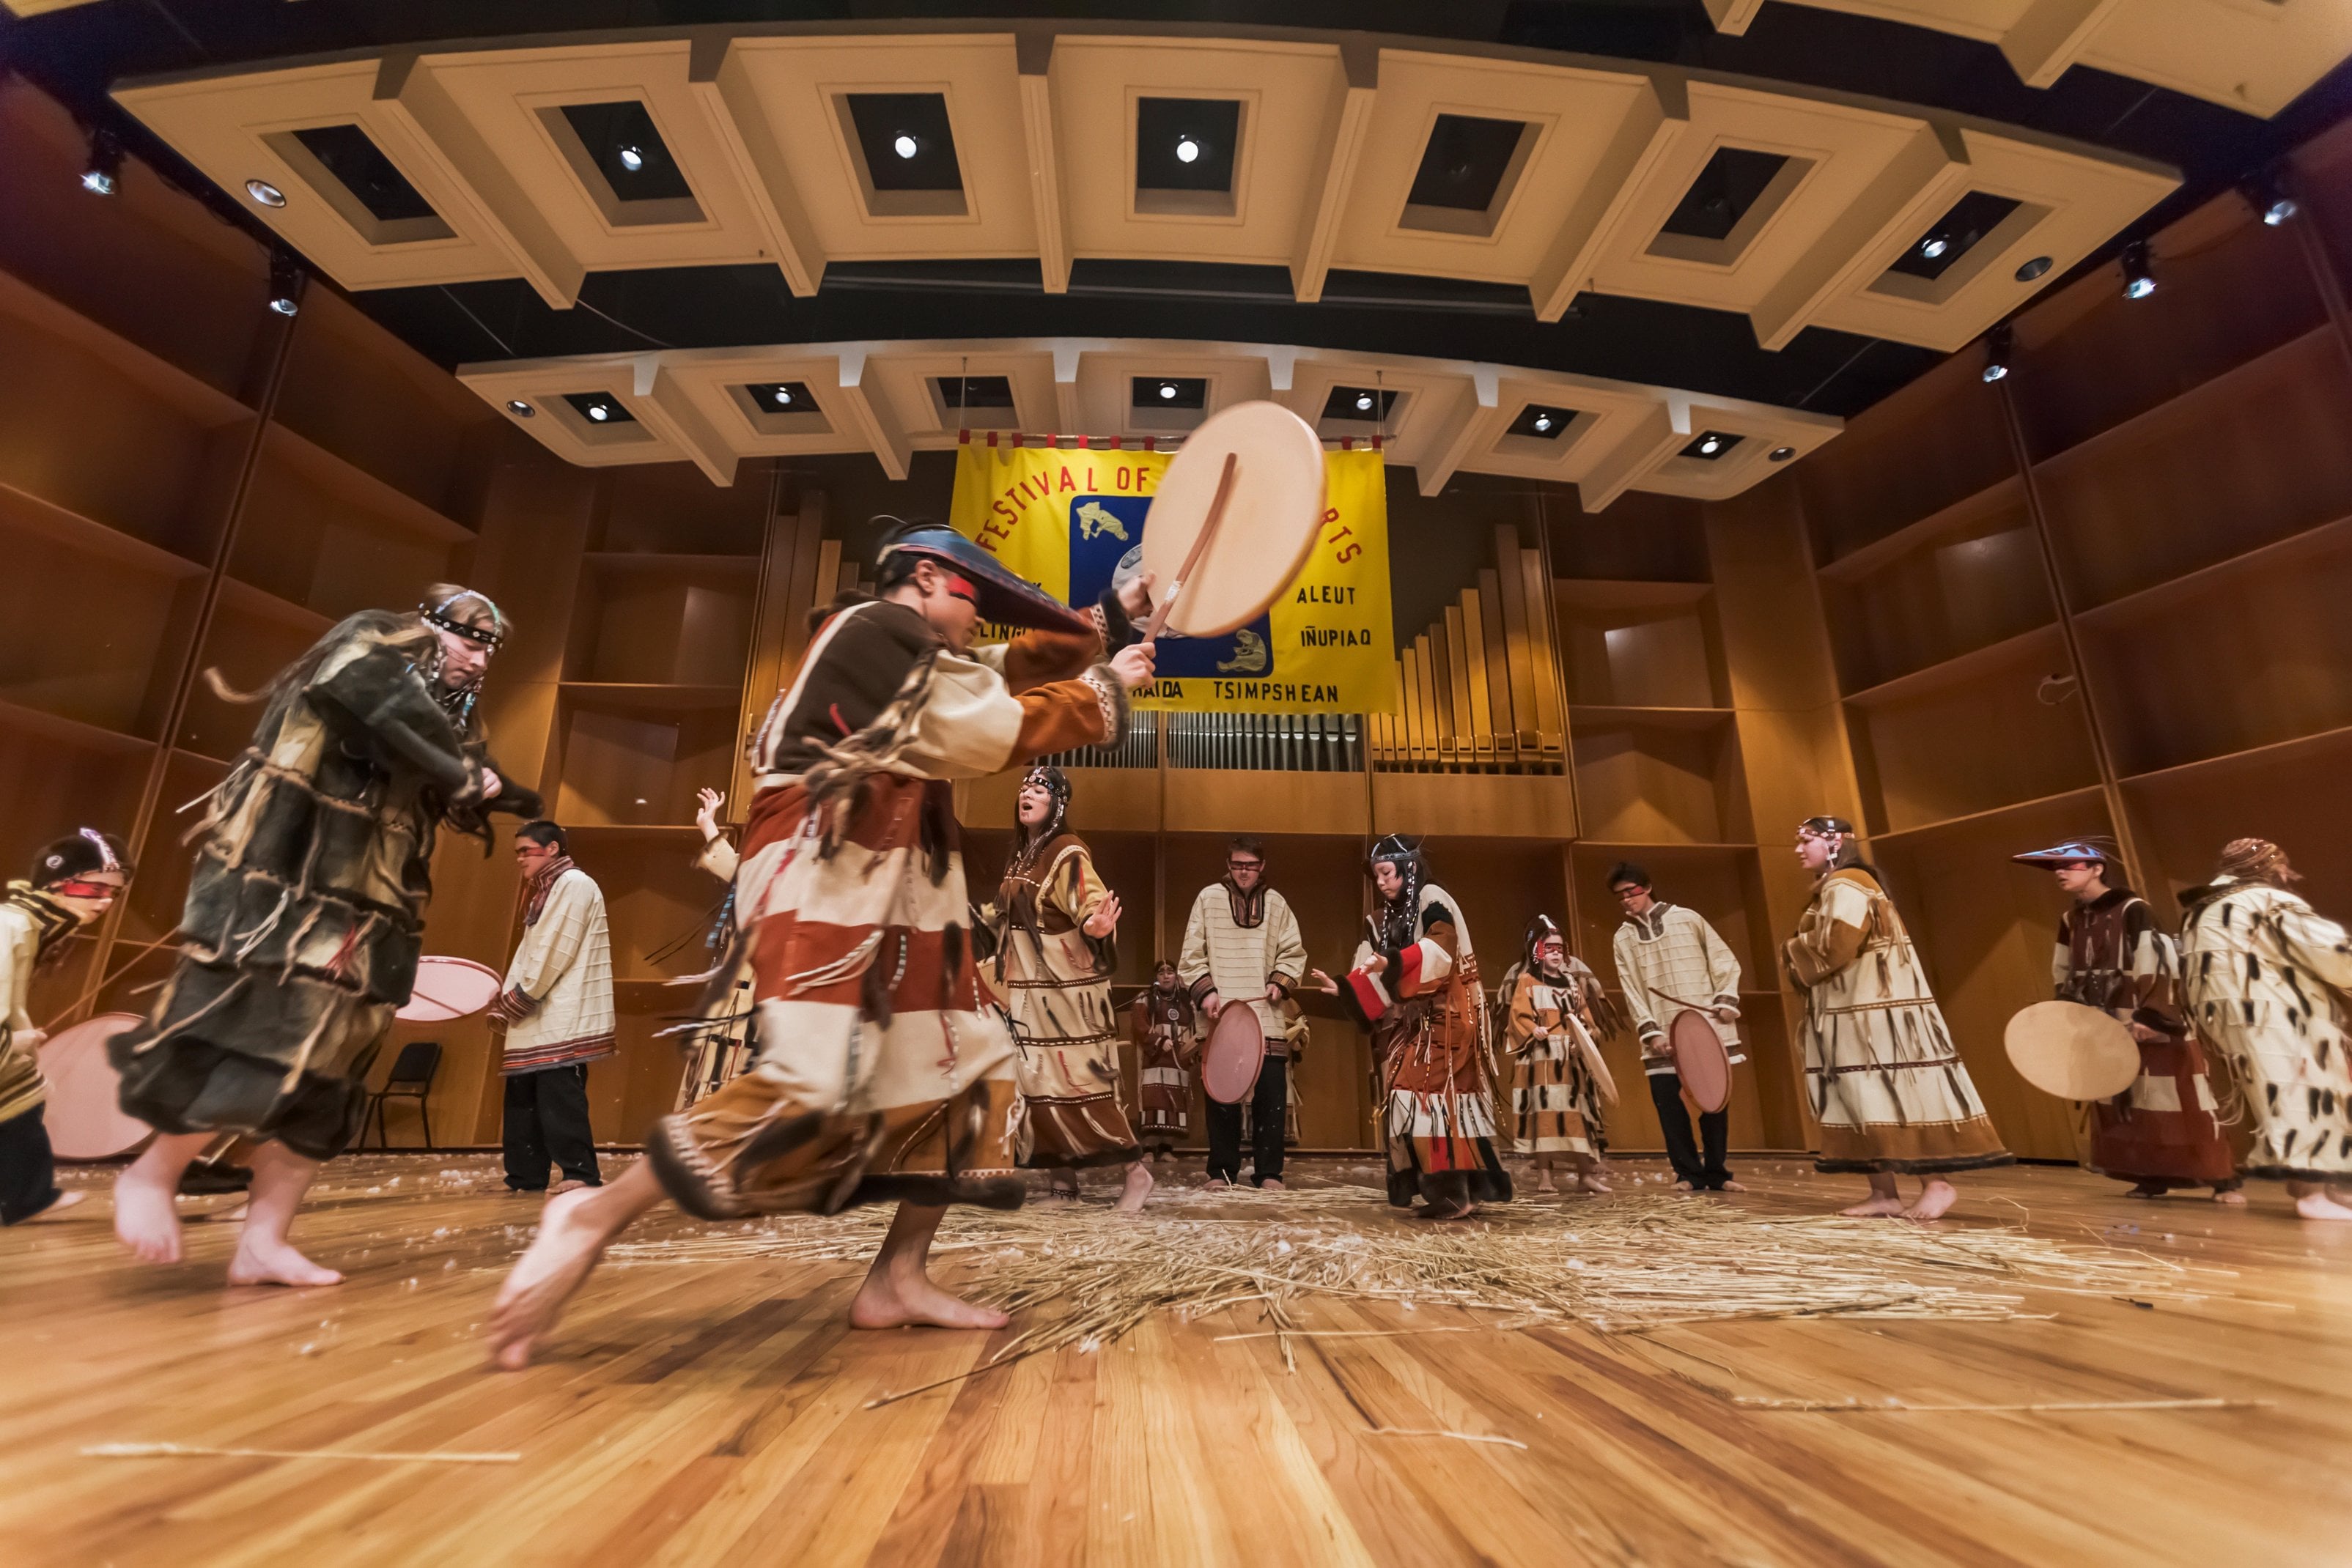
[1628, 1262]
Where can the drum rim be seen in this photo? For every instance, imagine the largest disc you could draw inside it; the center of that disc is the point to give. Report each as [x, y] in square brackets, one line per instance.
[1722, 1054]
[1307, 442]
[1209, 1045]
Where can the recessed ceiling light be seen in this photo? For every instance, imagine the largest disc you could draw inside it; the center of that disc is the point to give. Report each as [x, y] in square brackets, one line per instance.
[599, 411]
[1709, 445]
[632, 160]
[784, 394]
[2032, 268]
[1780, 454]
[1543, 422]
[1364, 402]
[268, 194]
[520, 408]
[1168, 389]
[905, 146]
[1933, 247]
[1187, 149]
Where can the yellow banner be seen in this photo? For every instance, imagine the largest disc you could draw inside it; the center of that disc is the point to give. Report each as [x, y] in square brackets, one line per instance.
[1066, 520]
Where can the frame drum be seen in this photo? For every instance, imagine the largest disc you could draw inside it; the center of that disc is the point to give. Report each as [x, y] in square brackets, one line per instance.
[2071, 1050]
[1700, 1061]
[1265, 533]
[448, 989]
[86, 1120]
[1234, 1055]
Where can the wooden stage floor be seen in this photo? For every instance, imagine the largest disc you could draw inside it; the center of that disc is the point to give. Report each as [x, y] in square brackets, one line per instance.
[715, 1412]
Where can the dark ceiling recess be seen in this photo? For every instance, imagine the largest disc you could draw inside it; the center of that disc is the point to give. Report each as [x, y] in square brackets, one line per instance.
[625, 148]
[601, 408]
[1972, 217]
[1366, 404]
[1729, 184]
[782, 397]
[1541, 421]
[905, 139]
[1711, 445]
[345, 151]
[1463, 163]
[973, 391]
[1169, 392]
[1166, 127]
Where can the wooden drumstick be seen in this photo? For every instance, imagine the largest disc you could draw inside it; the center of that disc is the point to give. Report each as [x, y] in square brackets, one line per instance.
[1207, 530]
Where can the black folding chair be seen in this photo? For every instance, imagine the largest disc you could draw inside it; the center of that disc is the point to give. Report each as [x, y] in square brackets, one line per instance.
[411, 1079]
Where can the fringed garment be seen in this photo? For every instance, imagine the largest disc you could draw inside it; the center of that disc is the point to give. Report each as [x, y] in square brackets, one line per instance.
[2163, 1131]
[33, 932]
[1428, 1024]
[2267, 979]
[1670, 960]
[1552, 1079]
[1055, 983]
[557, 1001]
[881, 1075]
[1887, 1084]
[1166, 1039]
[306, 910]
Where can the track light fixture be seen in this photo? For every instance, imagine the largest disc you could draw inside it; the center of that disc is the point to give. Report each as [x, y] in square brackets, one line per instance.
[1779, 453]
[520, 408]
[285, 283]
[2267, 192]
[2139, 275]
[1997, 345]
[104, 170]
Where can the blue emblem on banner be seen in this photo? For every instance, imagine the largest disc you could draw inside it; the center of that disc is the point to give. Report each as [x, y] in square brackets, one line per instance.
[1105, 530]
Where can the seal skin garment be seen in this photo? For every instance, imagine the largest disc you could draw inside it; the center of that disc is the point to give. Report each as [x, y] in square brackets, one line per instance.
[31, 925]
[1428, 1024]
[1056, 983]
[1166, 1040]
[2266, 978]
[2112, 956]
[1888, 1086]
[1550, 1082]
[881, 1076]
[305, 909]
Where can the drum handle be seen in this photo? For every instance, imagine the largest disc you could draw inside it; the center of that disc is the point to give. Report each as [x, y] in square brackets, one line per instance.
[1208, 529]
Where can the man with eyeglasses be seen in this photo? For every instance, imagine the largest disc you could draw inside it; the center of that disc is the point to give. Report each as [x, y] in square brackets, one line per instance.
[1669, 959]
[1241, 948]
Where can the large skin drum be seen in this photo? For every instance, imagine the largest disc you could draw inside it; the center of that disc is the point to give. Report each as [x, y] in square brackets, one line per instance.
[1700, 1061]
[448, 989]
[85, 1117]
[2071, 1050]
[1234, 1055]
[1253, 546]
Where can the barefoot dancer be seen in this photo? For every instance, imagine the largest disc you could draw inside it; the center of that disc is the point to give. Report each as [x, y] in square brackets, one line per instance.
[1166, 1039]
[879, 1076]
[1056, 927]
[1888, 1085]
[75, 882]
[1414, 987]
[305, 914]
[2161, 1132]
[1554, 1065]
[2268, 981]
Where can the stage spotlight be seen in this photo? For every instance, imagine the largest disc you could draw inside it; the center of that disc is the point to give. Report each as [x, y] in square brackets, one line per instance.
[784, 394]
[1363, 402]
[1187, 149]
[285, 282]
[2267, 192]
[1709, 445]
[2139, 275]
[1997, 343]
[1167, 389]
[1780, 454]
[905, 146]
[600, 412]
[105, 162]
[1933, 246]
[2031, 269]
[520, 408]
[632, 160]
[1543, 422]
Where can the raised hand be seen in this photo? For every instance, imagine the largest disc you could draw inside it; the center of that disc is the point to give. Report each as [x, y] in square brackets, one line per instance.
[1103, 920]
[706, 814]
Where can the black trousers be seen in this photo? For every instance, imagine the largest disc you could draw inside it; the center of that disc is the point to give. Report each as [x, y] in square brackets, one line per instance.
[1674, 1119]
[1268, 1104]
[28, 1168]
[547, 1120]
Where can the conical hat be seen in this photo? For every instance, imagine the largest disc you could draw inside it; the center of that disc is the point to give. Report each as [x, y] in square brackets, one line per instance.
[2073, 1051]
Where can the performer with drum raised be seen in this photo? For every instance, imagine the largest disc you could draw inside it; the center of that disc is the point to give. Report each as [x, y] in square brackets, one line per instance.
[1557, 1074]
[1677, 974]
[1414, 988]
[2162, 1131]
[75, 882]
[880, 1077]
[305, 914]
[1888, 1086]
[1242, 949]
[1055, 926]
[1167, 1034]
[2269, 985]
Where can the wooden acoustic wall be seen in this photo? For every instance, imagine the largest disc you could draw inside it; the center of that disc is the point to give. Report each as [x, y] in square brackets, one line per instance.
[2103, 594]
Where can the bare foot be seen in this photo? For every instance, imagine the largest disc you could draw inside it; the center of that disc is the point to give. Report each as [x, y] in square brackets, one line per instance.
[2230, 1195]
[2319, 1206]
[1139, 1188]
[263, 1263]
[1875, 1208]
[1592, 1184]
[1684, 1186]
[1272, 1184]
[544, 1278]
[911, 1300]
[1731, 1185]
[1936, 1200]
[1544, 1182]
[1451, 1211]
[65, 1200]
[145, 1219]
